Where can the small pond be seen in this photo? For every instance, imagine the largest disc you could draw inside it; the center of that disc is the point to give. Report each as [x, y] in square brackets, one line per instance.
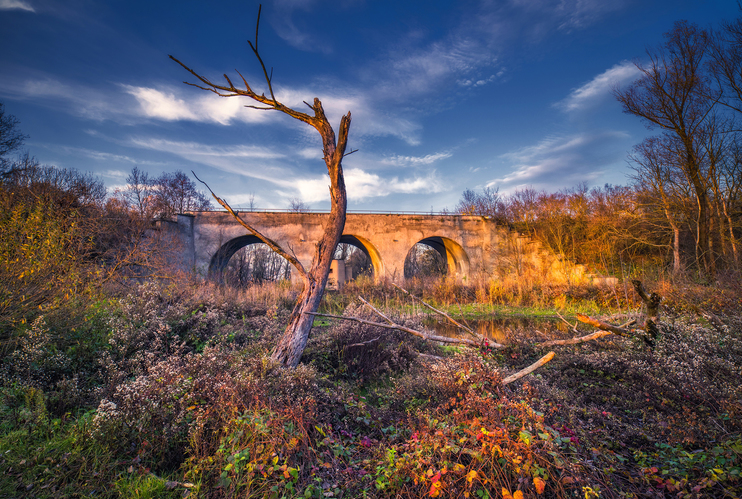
[497, 328]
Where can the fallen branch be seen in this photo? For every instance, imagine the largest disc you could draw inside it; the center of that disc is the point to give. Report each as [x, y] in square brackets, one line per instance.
[425, 336]
[621, 331]
[376, 310]
[441, 312]
[481, 343]
[363, 343]
[575, 341]
[528, 370]
[604, 326]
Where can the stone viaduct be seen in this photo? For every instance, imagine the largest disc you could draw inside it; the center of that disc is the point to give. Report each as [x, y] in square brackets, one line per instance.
[471, 245]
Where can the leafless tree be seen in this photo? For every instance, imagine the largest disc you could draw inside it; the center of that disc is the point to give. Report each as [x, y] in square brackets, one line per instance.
[139, 193]
[11, 138]
[674, 94]
[176, 193]
[296, 205]
[291, 345]
[726, 62]
[656, 171]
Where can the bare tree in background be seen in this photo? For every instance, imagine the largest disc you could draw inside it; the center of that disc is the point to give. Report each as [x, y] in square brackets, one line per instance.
[176, 193]
[139, 193]
[674, 94]
[11, 138]
[296, 205]
[291, 345]
[655, 163]
[164, 196]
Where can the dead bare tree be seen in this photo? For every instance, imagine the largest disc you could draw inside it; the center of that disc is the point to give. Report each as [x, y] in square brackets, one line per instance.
[291, 345]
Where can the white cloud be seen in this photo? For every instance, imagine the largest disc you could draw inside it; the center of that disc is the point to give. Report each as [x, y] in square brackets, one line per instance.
[360, 185]
[16, 5]
[115, 174]
[265, 164]
[558, 161]
[249, 161]
[408, 70]
[157, 104]
[173, 105]
[416, 160]
[597, 89]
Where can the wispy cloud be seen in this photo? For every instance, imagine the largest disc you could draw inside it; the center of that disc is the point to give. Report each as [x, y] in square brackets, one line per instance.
[16, 5]
[599, 88]
[171, 105]
[282, 19]
[101, 156]
[565, 15]
[361, 185]
[428, 159]
[562, 161]
[134, 104]
[265, 164]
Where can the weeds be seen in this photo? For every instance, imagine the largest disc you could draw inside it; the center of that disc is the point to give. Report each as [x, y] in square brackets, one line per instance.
[174, 395]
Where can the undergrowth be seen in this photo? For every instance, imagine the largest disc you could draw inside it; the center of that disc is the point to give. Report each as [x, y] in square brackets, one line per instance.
[172, 393]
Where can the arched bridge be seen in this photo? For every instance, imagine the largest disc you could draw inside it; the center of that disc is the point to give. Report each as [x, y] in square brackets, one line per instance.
[470, 245]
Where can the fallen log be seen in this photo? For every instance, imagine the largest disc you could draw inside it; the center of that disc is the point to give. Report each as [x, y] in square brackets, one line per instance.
[574, 341]
[604, 326]
[482, 341]
[528, 370]
[620, 331]
[425, 336]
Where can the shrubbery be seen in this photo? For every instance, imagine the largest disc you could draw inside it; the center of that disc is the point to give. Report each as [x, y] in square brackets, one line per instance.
[175, 394]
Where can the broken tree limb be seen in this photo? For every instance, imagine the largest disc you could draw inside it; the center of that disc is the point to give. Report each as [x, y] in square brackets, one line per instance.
[574, 341]
[652, 302]
[457, 324]
[482, 341]
[528, 370]
[626, 333]
[420, 334]
[363, 343]
[376, 310]
[604, 326]
[270, 242]
[571, 327]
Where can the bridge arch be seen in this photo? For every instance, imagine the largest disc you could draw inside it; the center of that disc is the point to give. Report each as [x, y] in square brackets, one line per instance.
[457, 261]
[219, 261]
[368, 249]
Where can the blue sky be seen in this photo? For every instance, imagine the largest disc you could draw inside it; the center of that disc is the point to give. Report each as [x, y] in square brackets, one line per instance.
[444, 95]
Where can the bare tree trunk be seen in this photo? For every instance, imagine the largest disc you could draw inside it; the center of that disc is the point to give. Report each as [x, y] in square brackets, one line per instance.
[291, 345]
[732, 238]
[294, 340]
[676, 267]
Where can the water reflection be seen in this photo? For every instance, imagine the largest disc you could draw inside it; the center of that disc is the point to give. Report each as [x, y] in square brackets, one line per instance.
[497, 328]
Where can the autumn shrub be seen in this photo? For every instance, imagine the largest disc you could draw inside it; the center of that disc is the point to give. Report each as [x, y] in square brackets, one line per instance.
[473, 440]
[41, 265]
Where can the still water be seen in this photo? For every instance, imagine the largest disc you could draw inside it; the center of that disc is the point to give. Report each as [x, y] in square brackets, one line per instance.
[498, 328]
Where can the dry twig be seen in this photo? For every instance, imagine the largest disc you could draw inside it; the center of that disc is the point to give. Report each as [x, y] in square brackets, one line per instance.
[420, 334]
[441, 312]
